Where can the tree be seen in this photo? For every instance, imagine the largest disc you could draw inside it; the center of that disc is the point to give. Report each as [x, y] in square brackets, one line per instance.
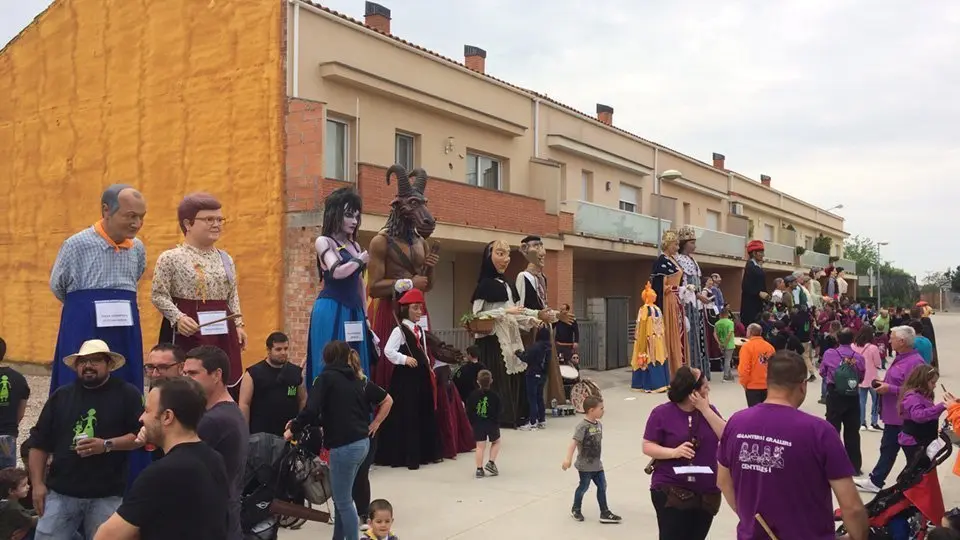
[934, 282]
[862, 251]
[822, 244]
[955, 280]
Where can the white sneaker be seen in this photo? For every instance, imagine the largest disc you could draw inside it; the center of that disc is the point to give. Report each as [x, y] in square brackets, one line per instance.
[863, 427]
[526, 427]
[866, 484]
[542, 425]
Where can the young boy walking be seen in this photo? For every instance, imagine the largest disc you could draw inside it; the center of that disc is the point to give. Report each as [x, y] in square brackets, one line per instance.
[536, 358]
[724, 334]
[586, 441]
[483, 410]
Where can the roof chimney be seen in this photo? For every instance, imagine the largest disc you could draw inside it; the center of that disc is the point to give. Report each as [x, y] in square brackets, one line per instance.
[718, 161]
[475, 58]
[377, 17]
[765, 180]
[605, 114]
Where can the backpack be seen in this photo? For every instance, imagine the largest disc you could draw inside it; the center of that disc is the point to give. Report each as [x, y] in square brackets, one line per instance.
[846, 380]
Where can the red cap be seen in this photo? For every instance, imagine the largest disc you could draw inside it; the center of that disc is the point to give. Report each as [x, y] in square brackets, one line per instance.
[754, 245]
[413, 296]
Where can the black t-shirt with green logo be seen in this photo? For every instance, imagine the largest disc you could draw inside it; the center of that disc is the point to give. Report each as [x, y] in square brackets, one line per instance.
[109, 411]
[274, 401]
[13, 391]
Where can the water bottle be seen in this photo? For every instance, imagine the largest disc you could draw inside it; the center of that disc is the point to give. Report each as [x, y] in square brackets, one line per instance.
[553, 406]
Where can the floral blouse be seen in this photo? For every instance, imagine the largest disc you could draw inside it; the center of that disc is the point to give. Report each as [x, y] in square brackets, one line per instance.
[691, 279]
[190, 273]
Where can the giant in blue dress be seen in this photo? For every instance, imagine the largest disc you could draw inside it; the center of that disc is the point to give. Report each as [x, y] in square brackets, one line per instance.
[339, 308]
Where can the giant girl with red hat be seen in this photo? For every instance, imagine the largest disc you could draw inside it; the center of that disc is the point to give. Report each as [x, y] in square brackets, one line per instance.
[753, 288]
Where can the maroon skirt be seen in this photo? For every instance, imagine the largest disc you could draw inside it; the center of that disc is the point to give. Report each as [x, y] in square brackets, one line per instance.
[229, 342]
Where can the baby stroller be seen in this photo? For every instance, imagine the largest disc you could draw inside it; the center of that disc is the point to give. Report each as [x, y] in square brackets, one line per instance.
[913, 505]
[279, 477]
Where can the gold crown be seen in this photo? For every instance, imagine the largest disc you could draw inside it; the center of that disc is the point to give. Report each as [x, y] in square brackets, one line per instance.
[669, 236]
[687, 233]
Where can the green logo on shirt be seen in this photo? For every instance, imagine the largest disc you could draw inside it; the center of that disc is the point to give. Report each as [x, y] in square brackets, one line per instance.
[84, 425]
[4, 391]
[482, 407]
[291, 391]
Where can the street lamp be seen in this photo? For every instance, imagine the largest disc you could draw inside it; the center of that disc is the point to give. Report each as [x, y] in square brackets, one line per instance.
[665, 175]
[879, 266]
[832, 208]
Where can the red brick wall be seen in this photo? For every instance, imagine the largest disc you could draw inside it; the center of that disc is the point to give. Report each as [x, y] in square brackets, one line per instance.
[558, 267]
[304, 130]
[462, 204]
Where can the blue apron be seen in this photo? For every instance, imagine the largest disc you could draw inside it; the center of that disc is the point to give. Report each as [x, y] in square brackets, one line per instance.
[78, 323]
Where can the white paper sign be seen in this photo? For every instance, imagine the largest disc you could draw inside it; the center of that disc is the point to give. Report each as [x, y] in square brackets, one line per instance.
[215, 329]
[422, 323]
[113, 313]
[692, 469]
[353, 331]
[935, 447]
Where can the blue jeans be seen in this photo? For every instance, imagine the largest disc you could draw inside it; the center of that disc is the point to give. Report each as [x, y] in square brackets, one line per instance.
[597, 478]
[874, 409]
[888, 454]
[538, 411]
[63, 515]
[8, 451]
[345, 461]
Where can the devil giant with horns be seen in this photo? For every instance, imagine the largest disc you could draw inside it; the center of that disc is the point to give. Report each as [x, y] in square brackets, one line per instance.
[401, 260]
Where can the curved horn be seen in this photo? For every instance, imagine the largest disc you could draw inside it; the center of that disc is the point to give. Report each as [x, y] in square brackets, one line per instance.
[403, 181]
[420, 184]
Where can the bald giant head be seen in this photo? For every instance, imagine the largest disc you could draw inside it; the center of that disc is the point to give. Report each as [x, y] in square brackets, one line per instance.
[123, 209]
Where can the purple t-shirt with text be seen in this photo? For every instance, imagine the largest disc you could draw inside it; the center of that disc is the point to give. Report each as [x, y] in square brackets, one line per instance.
[782, 460]
[670, 426]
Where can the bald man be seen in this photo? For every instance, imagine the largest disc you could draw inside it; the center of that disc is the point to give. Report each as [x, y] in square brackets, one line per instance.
[95, 276]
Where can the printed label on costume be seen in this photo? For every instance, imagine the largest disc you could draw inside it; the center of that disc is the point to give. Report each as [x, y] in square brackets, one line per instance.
[113, 313]
[215, 329]
[422, 323]
[353, 331]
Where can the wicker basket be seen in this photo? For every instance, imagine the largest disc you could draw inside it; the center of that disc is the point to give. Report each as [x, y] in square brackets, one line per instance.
[480, 326]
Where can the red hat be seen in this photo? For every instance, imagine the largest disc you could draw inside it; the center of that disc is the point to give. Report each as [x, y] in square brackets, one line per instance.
[754, 245]
[413, 296]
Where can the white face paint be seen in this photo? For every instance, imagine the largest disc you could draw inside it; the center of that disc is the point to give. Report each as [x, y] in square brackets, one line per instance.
[350, 220]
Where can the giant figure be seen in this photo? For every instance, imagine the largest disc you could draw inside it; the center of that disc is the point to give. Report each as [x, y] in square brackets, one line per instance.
[753, 287]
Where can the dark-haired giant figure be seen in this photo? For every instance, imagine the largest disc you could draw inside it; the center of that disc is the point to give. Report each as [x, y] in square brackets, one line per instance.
[338, 312]
[95, 276]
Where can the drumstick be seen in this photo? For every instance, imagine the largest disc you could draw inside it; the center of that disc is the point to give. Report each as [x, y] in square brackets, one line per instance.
[215, 321]
[766, 527]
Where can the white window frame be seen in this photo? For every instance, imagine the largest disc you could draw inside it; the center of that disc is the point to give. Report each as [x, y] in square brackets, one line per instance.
[412, 139]
[772, 237]
[626, 204]
[713, 213]
[477, 159]
[586, 186]
[329, 168]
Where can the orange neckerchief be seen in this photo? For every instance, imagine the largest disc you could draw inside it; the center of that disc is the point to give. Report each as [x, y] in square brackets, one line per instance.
[126, 244]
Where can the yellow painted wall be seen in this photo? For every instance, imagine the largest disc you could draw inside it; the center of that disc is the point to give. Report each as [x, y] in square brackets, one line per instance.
[172, 97]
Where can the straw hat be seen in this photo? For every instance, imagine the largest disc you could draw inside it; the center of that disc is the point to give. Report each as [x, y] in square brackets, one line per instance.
[92, 347]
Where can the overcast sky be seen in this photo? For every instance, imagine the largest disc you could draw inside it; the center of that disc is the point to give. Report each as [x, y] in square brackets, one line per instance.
[840, 101]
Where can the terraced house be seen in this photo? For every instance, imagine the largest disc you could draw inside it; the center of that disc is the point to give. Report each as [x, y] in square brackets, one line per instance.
[272, 104]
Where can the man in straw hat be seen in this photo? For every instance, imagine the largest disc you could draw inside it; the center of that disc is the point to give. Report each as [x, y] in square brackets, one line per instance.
[767, 449]
[95, 276]
[753, 288]
[88, 427]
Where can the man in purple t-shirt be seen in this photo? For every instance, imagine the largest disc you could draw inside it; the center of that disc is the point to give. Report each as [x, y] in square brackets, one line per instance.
[901, 341]
[768, 450]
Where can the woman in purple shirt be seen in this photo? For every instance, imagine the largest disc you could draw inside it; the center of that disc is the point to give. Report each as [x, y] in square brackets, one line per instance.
[842, 369]
[920, 415]
[682, 437]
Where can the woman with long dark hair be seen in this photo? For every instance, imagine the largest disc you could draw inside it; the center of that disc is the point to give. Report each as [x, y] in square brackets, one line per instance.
[338, 312]
[340, 402]
[684, 432]
[496, 297]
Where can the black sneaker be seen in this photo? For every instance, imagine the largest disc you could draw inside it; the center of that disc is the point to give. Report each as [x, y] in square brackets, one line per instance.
[492, 468]
[877, 427]
[576, 514]
[480, 473]
[609, 517]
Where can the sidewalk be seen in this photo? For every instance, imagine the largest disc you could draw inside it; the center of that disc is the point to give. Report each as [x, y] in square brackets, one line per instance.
[532, 497]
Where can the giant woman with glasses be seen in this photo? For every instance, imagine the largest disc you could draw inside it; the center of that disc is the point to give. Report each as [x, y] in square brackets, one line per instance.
[682, 437]
[195, 286]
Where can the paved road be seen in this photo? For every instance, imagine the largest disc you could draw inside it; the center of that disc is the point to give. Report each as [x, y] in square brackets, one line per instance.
[532, 496]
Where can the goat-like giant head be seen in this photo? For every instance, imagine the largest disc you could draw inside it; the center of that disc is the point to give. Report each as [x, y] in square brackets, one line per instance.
[411, 204]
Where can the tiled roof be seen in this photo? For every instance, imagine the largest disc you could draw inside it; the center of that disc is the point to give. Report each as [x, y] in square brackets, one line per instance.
[532, 93]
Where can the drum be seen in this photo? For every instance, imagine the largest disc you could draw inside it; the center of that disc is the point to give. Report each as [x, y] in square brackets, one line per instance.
[580, 391]
[569, 374]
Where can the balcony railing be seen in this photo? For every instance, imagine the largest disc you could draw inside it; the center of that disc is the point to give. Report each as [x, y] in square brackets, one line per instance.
[849, 267]
[812, 258]
[720, 243]
[615, 224]
[778, 253]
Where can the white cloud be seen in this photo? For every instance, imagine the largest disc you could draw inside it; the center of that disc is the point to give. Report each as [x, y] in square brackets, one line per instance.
[840, 101]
